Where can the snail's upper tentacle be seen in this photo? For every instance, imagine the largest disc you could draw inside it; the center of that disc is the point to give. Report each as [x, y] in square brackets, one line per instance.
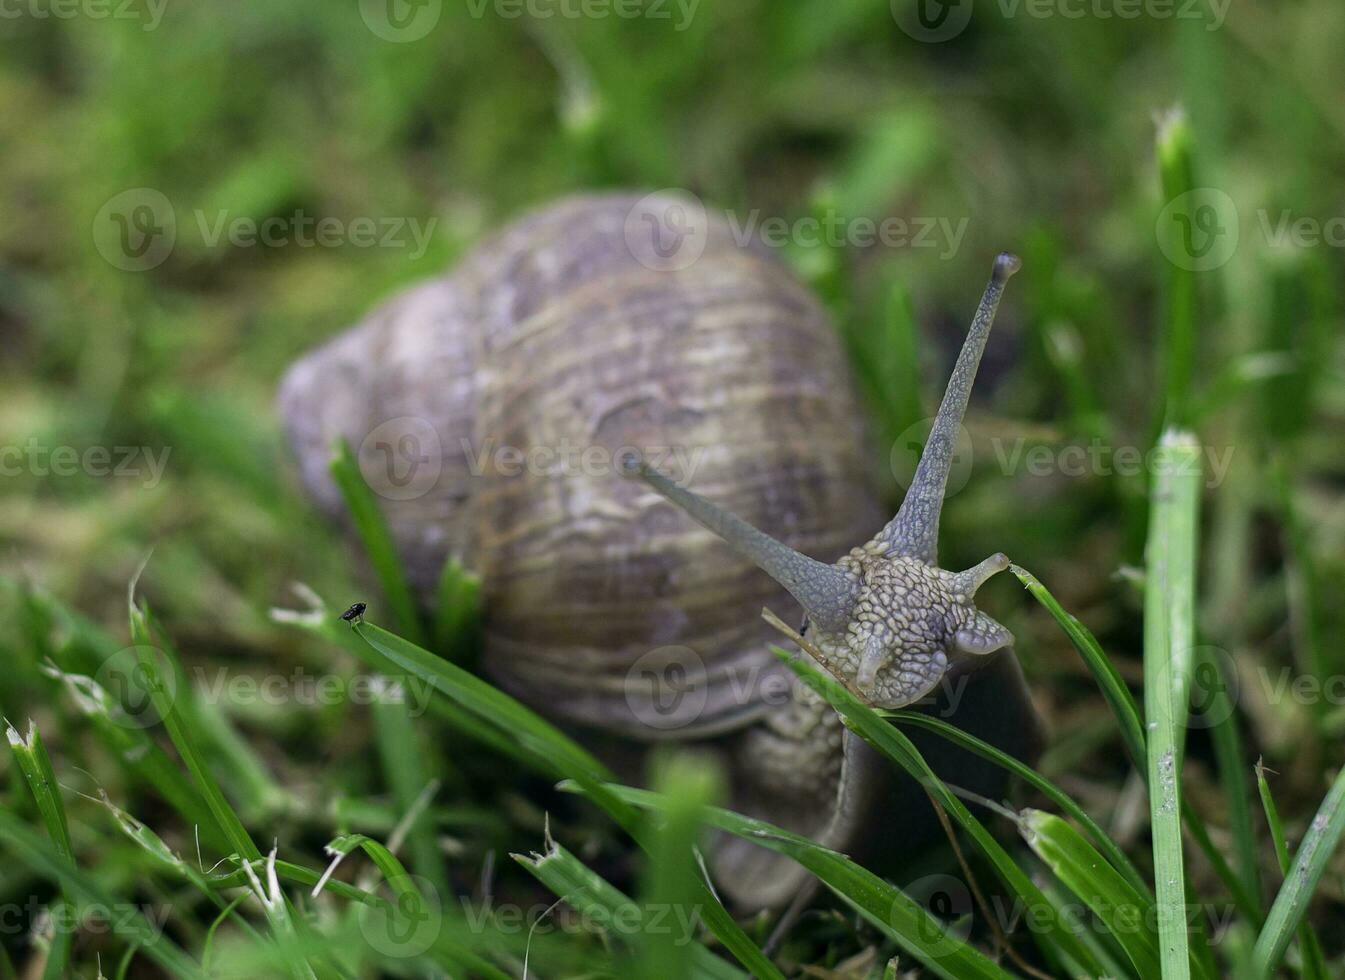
[914, 532]
[826, 593]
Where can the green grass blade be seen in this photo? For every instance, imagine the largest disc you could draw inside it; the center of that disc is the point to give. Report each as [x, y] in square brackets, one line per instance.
[1127, 715]
[1300, 881]
[457, 612]
[165, 703]
[1109, 681]
[367, 519]
[403, 763]
[1178, 348]
[558, 754]
[1055, 939]
[1314, 963]
[42, 857]
[598, 901]
[1125, 912]
[890, 910]
[538, 737]
[671, 877]
[397, 749]
[31, 757]
[1222, 718]
[1169, 639]
[1115, 856]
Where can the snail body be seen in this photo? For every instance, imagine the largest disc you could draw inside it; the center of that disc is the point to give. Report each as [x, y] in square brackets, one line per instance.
[496, 411]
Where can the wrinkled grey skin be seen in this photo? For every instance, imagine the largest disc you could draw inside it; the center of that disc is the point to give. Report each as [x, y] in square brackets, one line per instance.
[891, 625]
[889, 621]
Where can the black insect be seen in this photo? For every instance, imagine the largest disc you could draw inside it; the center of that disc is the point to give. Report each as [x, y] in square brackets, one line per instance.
[355, 614]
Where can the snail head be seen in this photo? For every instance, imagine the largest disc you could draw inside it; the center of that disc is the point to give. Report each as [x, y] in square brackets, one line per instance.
[884, 618]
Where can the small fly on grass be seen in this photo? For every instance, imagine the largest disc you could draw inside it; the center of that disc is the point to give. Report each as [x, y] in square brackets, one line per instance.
[355, 614]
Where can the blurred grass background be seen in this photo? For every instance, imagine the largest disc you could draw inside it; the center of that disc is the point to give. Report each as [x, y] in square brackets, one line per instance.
[1039, 130]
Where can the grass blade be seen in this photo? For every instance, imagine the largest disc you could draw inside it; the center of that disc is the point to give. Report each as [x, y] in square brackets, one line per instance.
[890, 910]
[1118, 906]
[1113, 689]
[671, 876]
[179, 732]
[557, 753]
[1218, 711]
[35, 764]
[398, 751]
[1127, 715]
[1314, 963]
[971, 743]
[374, 534]
[587, 892]
[32, 759]
[1169, 635]
[1175, 171]
[1055, 939]
[1300, 881]
[43, 858]
[457, 612]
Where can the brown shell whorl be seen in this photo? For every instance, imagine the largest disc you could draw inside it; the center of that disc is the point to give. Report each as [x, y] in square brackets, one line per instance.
[553, 334]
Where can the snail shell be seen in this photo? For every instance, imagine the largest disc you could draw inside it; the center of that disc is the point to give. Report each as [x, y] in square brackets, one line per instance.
[577, 330]
[495, 411]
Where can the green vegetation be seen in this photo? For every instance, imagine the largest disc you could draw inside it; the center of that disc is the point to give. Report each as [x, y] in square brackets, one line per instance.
[238, 784]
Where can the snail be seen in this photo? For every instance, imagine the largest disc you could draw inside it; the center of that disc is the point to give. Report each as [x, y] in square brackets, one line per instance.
[501, 412]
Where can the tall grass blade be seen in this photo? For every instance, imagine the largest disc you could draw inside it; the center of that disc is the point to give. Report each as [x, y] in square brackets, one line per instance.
[889, 909]
[557, 753]
[1109, 681]
[1300, 881]
[402, 758]
[1178, 350]
[599, 902]
[671, 876]
[164, 695]
[1314, 964]
[1125, 912]
[1169, 639]
[1056, 940]
[32, 759]
[44, 859]
[369, 524]
[1101, 840]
